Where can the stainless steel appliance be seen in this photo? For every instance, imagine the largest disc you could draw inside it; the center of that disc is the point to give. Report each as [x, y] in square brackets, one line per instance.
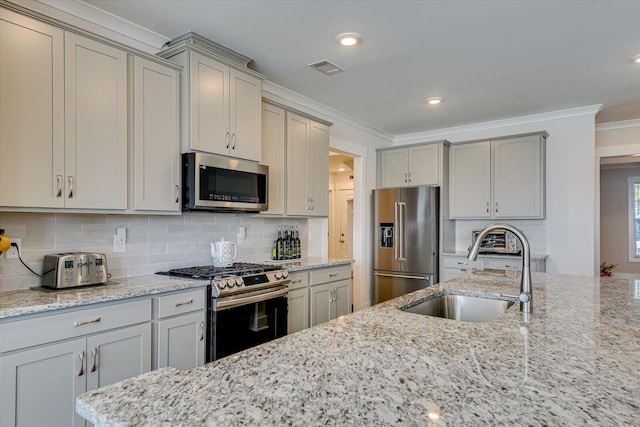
[406, 236]
[71, 269]
[247, 305]
[218, 183]
[498, 242]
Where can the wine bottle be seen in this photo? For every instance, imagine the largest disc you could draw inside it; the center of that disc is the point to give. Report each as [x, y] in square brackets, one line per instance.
[280, 245]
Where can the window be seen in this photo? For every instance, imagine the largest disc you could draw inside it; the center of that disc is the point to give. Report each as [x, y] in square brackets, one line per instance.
[634, 218]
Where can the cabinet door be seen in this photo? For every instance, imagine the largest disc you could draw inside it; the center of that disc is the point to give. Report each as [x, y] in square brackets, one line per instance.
[273, 155]
[424, 165]
[298, 310]
[298, 170]
[181, 341]
[318, 184]
[470, 180]
[95, 124]
[39, 386]
[320, 303]
[31, 112]
[342, 296]
[156, 150]
[518, 177]
[118, 355]
[245, 113]
[393, 168]
[209, 107]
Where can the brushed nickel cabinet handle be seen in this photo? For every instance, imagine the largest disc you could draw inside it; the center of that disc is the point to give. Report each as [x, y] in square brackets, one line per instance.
[81, 357]
[233, 141]
[409, 176]
[70, 179]
[333, 274]
[59, 193]
[487, 207]
[177, 193]
[178, 304]
[226, 140]
[202, 330]
[94, 353]
[86, 322]
[496, 207]
[405, 177]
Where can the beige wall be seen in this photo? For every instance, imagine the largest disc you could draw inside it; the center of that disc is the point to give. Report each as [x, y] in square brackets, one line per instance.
[614, 220]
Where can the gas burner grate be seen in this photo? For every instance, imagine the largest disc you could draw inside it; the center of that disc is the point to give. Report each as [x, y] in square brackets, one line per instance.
[209, 271]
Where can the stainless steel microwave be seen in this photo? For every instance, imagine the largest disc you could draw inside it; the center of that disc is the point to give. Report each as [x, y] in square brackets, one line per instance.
[223, 184]
[498, 241]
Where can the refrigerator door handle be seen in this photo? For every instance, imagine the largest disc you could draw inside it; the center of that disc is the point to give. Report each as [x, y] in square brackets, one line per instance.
[402, 207]
[397, 231]
[400, 276]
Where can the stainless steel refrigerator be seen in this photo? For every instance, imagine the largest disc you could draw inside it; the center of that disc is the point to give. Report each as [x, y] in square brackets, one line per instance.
[406, 234]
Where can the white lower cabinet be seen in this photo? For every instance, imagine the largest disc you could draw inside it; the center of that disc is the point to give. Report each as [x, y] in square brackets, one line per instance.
[181, 330]
[46, 361]
[457, 265]
[329, 294]
[298, 315]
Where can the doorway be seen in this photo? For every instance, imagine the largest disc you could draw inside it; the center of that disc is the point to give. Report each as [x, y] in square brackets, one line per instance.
[341, 190]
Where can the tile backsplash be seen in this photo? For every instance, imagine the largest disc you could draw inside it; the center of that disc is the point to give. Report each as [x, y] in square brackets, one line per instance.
[154, 242]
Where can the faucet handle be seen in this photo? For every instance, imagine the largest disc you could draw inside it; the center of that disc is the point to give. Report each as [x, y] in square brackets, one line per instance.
[524, 297]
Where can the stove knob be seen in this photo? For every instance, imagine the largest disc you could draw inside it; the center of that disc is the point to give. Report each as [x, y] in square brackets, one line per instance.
[278, 275]
[221, 284]
[239, 281]
[230, 283]
[285, 274]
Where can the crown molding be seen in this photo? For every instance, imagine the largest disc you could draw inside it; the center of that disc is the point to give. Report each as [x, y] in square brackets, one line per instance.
[90, 18]
[283, 96]
[495, 124]
[618, 125]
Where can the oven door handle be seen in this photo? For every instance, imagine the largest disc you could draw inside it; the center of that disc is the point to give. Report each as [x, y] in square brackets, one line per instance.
[226, 304]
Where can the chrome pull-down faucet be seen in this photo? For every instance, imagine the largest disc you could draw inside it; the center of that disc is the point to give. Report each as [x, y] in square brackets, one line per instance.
[526, 292]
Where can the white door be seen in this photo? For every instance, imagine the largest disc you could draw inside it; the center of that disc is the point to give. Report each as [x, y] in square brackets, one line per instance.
[39, 386]
[118, 355]
[156, 155]
[470, 180]
[245, 116]
[95, 124]
[346, 224]
[181, 341]
[209, 105]
[31, 112]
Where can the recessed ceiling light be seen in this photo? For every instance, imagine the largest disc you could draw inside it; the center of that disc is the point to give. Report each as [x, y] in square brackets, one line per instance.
[341, 169]
[349, 39]
[434, 100]
[636, 59]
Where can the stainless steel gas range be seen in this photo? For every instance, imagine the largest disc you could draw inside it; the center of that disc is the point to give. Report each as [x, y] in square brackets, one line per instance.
[247, 305]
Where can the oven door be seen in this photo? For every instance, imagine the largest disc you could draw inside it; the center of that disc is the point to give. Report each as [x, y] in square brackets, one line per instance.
[243, 321]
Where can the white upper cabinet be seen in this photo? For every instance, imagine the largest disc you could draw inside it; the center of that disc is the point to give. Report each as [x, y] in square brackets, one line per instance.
[31, 112]
[273, 155]
[307, 166]
[221, 105]
[63, 118]
[156, 140]
[415, 165]
[501, 179]
[95, 124]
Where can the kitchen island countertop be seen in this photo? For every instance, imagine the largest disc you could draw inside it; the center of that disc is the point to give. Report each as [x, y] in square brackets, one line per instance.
[574, 361]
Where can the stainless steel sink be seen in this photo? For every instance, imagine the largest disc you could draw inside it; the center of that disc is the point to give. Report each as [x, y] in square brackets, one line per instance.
[461, 307]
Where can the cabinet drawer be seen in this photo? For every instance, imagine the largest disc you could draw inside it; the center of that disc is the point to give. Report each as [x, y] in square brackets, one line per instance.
[331, 274]
[461, 262]
[299, 280]
[54, 327]
[504, 264]
[183, 302]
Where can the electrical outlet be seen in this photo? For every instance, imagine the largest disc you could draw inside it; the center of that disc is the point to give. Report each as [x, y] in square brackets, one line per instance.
[12, 253]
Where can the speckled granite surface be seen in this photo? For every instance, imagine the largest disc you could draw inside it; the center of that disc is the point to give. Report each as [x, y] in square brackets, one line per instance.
[30, 301]
[534, 257]
[576, 361]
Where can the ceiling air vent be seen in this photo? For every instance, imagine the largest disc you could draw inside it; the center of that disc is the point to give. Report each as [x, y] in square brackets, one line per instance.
[327, 67]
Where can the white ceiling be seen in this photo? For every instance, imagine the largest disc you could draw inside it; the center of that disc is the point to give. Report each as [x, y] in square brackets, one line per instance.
[490, 60]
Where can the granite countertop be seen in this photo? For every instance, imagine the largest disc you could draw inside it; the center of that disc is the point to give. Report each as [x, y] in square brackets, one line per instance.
[303, 264]
[30, 301]
[574, 361]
